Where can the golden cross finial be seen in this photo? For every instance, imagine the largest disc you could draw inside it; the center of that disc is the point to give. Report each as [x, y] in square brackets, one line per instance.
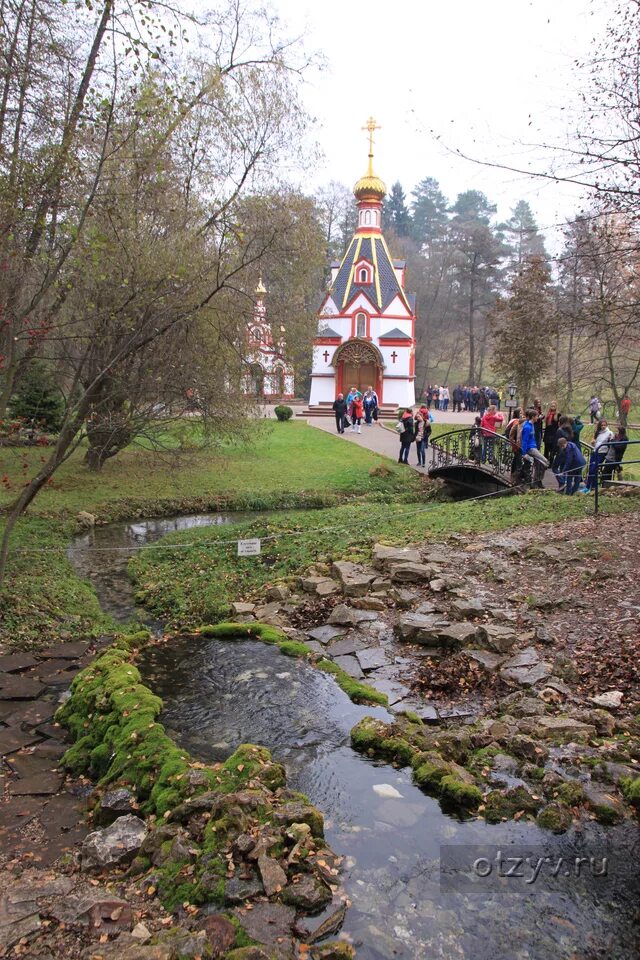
[371, 126]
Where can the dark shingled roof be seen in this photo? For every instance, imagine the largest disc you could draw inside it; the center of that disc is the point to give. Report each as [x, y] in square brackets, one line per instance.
[328, 332]
[395, 334]
[372, 249]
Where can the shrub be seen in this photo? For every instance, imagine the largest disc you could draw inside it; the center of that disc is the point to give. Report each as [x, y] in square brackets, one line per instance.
[283, 412]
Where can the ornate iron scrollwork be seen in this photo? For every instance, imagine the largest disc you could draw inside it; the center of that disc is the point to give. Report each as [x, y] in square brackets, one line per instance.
[356, 352]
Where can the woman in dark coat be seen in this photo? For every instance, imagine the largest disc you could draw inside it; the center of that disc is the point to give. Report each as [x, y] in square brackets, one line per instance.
[551, 425]
[407, 436]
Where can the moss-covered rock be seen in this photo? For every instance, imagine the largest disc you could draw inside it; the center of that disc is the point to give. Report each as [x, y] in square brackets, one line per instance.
[571, 793]
[354, 689]
[333, 950]
[555, 817]
[630, 787]
[605, 814]
[462, 796]
[503, 805]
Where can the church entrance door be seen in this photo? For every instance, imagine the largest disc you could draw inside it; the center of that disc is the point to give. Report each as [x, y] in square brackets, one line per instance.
[361, 375]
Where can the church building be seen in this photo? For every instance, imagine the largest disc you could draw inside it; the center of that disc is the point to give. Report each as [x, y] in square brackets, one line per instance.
[366, 323]
[268, 375]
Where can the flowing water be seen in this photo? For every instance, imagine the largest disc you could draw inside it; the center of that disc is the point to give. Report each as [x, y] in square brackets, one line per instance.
[422, 884]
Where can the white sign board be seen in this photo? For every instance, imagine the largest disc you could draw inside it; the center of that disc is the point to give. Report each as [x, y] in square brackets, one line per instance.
[248, 548]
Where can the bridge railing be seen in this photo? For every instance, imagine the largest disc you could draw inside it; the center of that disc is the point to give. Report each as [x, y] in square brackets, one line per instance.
[489, 451]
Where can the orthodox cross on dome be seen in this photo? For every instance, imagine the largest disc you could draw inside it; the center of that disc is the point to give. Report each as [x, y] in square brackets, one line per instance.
[394, 356]
[371, 127]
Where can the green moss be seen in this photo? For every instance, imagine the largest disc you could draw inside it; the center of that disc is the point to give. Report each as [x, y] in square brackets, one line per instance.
[462, 796]
[571, 793]
[412, 717]
[630, 788]
[356, 691]
[605, 814]
[503, 806]
[368, 734]
[430, 774]
[555, 817]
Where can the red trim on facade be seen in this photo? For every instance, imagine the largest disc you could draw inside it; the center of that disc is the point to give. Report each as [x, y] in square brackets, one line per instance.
[395, 343]
[327, 341]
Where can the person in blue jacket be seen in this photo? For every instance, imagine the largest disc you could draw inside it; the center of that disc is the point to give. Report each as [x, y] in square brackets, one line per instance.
[529, 446]
[573, 463]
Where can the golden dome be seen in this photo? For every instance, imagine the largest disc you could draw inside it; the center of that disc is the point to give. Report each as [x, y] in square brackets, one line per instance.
[370, 187]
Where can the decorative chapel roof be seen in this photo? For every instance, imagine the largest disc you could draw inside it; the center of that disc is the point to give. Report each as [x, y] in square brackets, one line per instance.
[385, 286]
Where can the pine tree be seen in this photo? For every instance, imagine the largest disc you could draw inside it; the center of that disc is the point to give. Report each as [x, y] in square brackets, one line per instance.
[396, 212]
[429, 212]
[523, 235]
[37, 399]
[523, 327]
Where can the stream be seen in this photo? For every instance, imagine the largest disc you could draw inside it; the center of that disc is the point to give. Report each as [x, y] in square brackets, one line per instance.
[423, 885]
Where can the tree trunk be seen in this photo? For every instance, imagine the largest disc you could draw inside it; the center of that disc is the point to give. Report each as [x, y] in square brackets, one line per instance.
[472, 339]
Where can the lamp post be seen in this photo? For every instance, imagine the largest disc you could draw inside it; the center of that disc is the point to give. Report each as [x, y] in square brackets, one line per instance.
[511, 402]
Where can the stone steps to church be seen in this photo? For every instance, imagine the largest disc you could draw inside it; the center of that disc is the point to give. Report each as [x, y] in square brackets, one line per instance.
[386, 411]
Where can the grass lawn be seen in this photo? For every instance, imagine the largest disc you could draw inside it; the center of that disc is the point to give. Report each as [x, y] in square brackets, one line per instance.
[288, 465]
[194, 584]
[285, 458]
[359, 496]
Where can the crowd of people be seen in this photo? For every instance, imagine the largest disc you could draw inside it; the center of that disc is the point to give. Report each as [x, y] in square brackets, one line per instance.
[356, 408]
[532, 431]
[538, 440]
[472, 399]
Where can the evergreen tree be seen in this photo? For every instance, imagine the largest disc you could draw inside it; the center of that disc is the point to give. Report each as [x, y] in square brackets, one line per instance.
[396, 212]
[523, 235]
[479, 248]
[429, 212]
[37, 398]
[523, 325]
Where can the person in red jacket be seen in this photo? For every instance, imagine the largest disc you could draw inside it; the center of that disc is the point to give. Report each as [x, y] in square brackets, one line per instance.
[357, 413]
[489, 424]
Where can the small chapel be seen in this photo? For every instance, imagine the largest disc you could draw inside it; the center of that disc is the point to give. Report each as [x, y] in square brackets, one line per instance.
[366, 322]
[268, 375]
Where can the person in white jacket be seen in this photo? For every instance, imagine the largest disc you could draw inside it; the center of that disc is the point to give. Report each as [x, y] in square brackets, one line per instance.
[601, 438]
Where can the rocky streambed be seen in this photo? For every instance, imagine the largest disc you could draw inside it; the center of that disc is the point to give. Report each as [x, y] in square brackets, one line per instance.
[490, 750]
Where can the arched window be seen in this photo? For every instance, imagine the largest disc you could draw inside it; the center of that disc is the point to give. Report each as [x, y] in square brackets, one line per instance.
[257, 334]
[367, 218]
[364, 275]
[361, 325]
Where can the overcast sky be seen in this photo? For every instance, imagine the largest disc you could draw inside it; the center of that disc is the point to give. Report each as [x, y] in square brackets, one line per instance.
[487, 78]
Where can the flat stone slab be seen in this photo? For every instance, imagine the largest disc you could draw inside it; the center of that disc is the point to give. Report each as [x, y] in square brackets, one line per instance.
[526, 658]
[372, 659]
[13, 739]
[66, 651]
[394, 690]
[468, 608]
[343, 614]
[383, 556]
[16, 662]
[15, 812]
[426, 711]
[486, 658]
[355, 581]
[551, 726]
[350, 665]
[16, 687]
[269, 923]
[30, 764]
[345, 646]
[29, 714]
[527, 676]
[42, 784]
[326, 633]
[412, 572]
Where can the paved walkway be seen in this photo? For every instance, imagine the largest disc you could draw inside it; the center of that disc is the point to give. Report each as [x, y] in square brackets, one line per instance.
[386, 442]
[376, 438]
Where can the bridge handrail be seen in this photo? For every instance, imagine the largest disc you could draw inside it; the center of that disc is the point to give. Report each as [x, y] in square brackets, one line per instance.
[494, 450]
